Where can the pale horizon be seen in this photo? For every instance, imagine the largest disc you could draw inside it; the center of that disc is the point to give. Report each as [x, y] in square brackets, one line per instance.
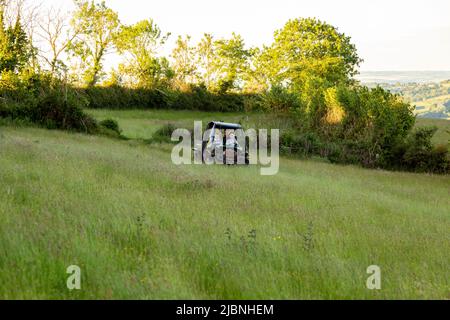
[389, 35]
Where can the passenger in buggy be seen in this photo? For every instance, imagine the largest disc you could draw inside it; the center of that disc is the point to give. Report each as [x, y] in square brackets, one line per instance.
[230, 144]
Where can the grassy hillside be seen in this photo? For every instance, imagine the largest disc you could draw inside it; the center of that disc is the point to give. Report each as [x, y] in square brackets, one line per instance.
[140, 227]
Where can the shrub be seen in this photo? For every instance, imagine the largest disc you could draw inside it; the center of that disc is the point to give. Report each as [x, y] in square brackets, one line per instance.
[280, 100]
[163, 134]
[196, 98]
[110, 128]
[368, 127]
[375, 115]
[117, 97]
[298, 143]
[438, 161]
[53, 112]
[111, 124]
[44, 101]
[353, 152]
[418, 154]
[199, 98]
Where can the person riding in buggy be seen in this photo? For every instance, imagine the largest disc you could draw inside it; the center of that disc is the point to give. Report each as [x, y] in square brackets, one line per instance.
[222, 139]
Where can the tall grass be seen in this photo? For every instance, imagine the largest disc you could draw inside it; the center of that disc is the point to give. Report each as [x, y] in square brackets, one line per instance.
[140, 227]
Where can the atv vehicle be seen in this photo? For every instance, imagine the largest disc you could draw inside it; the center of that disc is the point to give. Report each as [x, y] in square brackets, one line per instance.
[223, 137]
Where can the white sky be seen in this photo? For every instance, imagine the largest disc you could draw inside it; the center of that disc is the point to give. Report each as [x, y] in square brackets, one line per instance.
[389, 34]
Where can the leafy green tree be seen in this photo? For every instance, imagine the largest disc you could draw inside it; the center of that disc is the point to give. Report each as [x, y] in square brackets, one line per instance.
[230, 63]
[95, 26]
[206, 55]
[15, 47]
[309, 48]
[222, 62]
[140, 43]
[254, 78]
[308, 57]
[184, 62]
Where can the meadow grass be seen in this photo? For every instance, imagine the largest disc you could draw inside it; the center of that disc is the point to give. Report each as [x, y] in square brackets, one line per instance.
[142, 228]
[141, 124]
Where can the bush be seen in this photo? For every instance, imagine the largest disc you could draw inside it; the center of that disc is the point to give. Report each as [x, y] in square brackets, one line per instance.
[302, 144]
[53, 112]
[199, 98]
[374, 130]
[280, 100]
[196, 98]
[438, 161]
[111, 124]
[110, 128]
[418, 154]
[353, 152]
[117, 97]
[163, 134]
[44, 101]
[374, 115]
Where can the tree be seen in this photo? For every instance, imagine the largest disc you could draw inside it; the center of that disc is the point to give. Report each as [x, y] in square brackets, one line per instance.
[57, 36]
[184, 62]
[96, 26]
[139, 44]
[15, 47]
[27, 12]
[254, 78]
[206, 55]
[231, 62]
[6, 59]
[223, 62]
[309, 48]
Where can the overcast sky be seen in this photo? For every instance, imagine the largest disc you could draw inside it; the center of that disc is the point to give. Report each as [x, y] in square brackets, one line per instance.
[389, 34]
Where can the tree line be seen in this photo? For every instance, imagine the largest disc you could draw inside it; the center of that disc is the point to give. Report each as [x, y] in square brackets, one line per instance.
[77, 43]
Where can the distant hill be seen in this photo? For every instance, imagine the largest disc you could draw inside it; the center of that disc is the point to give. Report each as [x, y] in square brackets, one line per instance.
[393, 77]
[429, 91]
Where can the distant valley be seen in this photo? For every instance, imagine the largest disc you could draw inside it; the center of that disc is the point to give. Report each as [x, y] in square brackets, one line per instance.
[429, 91]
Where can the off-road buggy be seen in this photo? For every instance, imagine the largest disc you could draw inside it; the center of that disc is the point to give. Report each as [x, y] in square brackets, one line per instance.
[222, 137]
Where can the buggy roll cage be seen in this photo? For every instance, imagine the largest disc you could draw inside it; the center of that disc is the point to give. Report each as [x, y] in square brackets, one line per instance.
[221, 125]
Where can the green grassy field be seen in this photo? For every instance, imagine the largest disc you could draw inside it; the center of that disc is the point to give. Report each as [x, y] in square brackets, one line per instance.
[141, 124]
[141, 228]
